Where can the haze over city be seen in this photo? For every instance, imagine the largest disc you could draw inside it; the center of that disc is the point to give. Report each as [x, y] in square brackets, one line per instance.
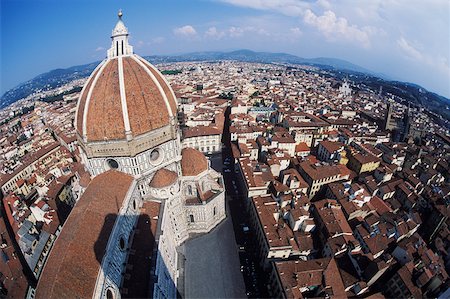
[404, 40]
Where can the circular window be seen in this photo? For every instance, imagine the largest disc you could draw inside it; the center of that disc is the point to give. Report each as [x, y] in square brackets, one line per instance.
[156, 156]
[113, 164]
[122, 243]
[109, 294]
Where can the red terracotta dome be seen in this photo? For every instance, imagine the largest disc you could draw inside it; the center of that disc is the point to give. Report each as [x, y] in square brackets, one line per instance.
[163, 178]
[193, 162]
[125, 96]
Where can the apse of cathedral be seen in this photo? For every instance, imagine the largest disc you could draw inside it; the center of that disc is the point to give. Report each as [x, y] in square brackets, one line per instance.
[129, 141]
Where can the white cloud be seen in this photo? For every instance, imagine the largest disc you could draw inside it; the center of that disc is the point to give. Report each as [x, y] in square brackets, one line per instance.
[235, 31]
[412, 52]
[99, 49]
[408, 49]
[295, 32]
[186, 31]
[212, 32]
[335, 28]
[329, 24]
[324, 4]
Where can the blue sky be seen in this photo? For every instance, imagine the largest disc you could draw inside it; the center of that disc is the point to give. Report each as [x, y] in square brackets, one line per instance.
[408, 40]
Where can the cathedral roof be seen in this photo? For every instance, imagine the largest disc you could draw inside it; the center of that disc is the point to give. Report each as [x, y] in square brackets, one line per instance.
[125, 96]
[193, 162]
[163, 178]
[74, 261]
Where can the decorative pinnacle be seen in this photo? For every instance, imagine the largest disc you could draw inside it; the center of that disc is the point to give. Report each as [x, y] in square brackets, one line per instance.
[120, 14]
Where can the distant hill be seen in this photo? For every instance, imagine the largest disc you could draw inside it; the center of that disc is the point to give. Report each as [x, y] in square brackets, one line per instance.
[340, 68]
[46, 81]
[263, 57]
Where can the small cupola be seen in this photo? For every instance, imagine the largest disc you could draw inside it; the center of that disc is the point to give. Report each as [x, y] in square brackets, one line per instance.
[119, 45]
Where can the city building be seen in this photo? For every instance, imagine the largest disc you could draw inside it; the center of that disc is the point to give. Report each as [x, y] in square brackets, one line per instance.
[208, 140]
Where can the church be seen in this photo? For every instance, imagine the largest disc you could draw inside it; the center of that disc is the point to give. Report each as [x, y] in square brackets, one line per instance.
[130, 142]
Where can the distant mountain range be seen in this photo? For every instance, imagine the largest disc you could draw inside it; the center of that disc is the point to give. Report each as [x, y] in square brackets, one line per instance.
[59, 77]
[263, 57]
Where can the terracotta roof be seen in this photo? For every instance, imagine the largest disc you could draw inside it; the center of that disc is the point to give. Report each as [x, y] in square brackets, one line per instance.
[144, 90]
[193, 162]
[302, 147]
[82, 100]
[323, 272]
[321, 171]
[331, 146]
[73, 264]
[163, 178]
[166, 88]
[200, 131]
[146, 107]
[13, 279]
[105, 115]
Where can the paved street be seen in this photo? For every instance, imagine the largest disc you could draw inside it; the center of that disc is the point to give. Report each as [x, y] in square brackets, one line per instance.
[212, 265]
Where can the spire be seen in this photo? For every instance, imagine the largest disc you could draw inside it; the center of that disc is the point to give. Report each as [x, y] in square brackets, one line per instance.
[119, 45]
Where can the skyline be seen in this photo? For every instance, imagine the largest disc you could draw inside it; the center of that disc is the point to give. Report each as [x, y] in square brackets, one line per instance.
[407, 42]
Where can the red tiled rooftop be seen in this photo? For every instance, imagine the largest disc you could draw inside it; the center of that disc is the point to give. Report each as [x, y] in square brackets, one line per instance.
[73, 264]
[163, 178]
[193, 162]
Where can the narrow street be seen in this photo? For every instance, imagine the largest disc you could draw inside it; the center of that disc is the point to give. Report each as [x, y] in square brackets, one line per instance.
[254, 278]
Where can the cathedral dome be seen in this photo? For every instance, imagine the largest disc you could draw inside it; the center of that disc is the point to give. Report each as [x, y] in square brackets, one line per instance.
[193, 162]
[163, 178]
[124, 98]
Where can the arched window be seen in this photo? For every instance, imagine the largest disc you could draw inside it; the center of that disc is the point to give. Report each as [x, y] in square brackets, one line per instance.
[122, 48]
[117, 48]
[109, 294]
[189, 187]
[214, 211]
[191, 218]
[122, 243]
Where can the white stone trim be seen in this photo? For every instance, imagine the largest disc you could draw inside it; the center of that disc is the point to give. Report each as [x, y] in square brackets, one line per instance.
[123, 98]
[161, 90]
[88, 99]
[162, 76]
[82, 93]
